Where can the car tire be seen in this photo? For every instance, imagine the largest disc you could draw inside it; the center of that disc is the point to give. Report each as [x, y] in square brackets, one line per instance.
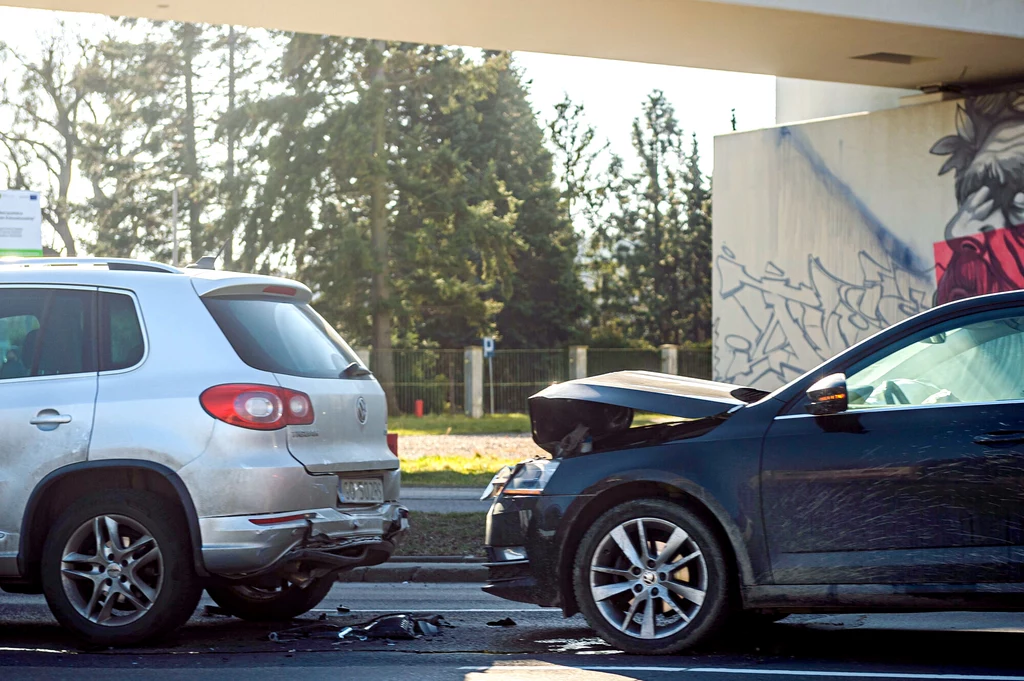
[670, 600]
[130, 578]
[266, 605]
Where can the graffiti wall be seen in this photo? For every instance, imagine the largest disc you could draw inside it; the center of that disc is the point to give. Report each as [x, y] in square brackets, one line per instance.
[826, 232]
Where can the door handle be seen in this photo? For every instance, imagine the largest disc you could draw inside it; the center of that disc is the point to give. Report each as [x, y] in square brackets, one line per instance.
[50, 417]
[1000, 437]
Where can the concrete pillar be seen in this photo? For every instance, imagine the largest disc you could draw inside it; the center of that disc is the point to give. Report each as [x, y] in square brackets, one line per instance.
[577, 361]
[670, 359]
[363, 354]
[474, 377]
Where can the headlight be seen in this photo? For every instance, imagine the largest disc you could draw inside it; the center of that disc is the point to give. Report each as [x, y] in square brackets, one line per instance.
[497, 483]
[531, 477]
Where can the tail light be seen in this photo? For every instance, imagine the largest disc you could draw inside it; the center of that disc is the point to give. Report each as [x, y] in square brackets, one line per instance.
[258, 407]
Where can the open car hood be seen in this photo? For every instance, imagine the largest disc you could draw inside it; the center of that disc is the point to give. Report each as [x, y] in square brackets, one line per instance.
[601, 407]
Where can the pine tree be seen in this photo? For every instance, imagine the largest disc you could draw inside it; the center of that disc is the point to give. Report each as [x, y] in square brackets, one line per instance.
[371, 190]
[543, 301]
[697, 262]
[659, 285]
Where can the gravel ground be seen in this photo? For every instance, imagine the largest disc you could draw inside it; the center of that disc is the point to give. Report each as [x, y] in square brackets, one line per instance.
[512, 446]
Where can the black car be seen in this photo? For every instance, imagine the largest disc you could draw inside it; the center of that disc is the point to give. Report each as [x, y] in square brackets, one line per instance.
[890, 478]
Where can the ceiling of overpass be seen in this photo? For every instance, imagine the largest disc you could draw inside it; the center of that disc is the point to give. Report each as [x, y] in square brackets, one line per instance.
[776, 37]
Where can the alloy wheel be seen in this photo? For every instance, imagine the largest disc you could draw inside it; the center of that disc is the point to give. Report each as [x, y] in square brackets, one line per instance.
[112, 570]
[648, 578]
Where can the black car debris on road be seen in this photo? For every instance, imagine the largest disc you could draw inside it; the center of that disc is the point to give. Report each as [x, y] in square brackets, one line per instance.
[889, 478]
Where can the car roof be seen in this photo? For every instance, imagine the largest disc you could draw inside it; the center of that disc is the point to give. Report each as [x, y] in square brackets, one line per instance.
[109, 271]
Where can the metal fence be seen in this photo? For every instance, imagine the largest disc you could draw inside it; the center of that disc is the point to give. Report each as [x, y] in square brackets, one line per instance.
[519, 374]
[435, 376]
[605, 360]
[695, 364]
[438, 377]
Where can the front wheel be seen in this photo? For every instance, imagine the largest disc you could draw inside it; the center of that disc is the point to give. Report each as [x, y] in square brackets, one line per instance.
[117, 568]
[651, 578]
[260, 604]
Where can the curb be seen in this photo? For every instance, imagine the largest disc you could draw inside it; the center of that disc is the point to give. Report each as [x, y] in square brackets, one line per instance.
[417, 572]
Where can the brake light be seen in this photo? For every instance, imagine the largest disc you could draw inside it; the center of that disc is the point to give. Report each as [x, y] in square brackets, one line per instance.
[257, 407]
[280, 290]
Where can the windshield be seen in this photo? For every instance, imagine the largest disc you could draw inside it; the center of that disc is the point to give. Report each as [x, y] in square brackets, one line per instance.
[975, 363]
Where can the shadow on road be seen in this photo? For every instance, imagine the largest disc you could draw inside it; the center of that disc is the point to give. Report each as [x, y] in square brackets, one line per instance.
[548, 637]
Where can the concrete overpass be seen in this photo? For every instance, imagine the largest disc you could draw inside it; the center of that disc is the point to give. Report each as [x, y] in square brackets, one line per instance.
[891, 43]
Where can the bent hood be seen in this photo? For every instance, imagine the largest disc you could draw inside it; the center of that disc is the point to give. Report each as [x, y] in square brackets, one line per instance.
[604, 405]
[689, 398]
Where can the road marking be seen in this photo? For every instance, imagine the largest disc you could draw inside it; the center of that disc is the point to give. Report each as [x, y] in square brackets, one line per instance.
[451, 610]
[763, 672]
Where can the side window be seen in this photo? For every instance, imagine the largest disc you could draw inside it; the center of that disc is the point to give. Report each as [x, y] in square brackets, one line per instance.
[46, 332]
[121, 341]
[977, 361]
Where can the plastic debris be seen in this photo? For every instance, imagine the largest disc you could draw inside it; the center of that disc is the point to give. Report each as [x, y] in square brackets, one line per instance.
[400, 627]
[505, 622]
[395, 627]
[311, 631]
[342, 609]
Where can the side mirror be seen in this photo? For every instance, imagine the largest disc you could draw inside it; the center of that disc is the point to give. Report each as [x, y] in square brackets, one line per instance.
[828, 396]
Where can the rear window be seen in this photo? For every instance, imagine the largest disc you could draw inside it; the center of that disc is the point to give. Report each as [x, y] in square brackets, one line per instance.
[281, 337]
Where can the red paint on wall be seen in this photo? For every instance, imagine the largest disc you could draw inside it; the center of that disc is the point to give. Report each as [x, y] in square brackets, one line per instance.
[986, 262]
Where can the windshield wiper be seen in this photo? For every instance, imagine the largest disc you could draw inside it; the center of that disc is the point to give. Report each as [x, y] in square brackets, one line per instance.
[354, 370]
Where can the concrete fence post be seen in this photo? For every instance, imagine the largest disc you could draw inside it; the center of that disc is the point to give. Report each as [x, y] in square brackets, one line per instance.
[669, 359]
[363, 353]
[474, 377]
[577, 361]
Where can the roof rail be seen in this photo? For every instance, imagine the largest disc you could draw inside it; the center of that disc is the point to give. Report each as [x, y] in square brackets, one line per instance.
[123, 264]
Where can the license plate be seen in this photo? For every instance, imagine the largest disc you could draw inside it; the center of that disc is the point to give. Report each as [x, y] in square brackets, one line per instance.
[361, 492]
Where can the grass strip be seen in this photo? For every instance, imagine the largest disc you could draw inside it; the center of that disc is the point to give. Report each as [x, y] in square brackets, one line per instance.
[452, 471]
[460, 424]
[443, 534]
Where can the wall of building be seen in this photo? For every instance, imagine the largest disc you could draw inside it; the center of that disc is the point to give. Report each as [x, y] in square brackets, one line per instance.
[804, 100]
[826, 232]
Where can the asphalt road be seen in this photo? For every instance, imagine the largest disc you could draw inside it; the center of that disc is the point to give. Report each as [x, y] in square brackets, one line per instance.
[542, 646]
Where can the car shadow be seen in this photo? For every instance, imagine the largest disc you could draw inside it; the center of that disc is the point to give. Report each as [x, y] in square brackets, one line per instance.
[829, 641]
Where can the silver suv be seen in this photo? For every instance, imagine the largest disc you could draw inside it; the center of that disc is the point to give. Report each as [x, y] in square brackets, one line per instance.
[163, 431]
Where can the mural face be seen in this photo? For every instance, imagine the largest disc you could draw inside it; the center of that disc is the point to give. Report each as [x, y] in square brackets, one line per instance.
[829, 231]
[983, 248]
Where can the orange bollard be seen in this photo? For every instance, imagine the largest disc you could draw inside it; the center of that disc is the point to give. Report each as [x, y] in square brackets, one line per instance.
[419, 409]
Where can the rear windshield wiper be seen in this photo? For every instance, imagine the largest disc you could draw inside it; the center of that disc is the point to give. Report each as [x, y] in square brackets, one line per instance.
[355, 370]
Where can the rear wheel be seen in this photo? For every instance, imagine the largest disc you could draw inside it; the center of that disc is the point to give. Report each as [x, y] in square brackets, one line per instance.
[262, 604]
[117, 568]
[651, 578]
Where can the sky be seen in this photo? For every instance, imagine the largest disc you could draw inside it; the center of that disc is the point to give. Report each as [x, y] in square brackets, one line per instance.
[703, 99]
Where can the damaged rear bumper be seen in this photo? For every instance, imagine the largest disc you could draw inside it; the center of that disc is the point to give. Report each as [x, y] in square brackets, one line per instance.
[247, 546]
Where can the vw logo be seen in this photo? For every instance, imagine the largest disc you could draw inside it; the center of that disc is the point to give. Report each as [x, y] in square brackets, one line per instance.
[361, 410]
